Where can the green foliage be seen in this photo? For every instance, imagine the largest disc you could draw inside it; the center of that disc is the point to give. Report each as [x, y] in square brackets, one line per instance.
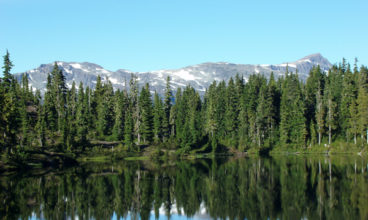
[257, 115]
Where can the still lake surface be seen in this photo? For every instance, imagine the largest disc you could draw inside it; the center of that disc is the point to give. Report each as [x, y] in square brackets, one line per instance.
[281, 187]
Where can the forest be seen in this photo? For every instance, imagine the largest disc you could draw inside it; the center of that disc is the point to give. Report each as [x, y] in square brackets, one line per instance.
[272, 113]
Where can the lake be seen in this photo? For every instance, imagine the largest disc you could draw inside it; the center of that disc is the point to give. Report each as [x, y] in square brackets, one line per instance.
[280, 187]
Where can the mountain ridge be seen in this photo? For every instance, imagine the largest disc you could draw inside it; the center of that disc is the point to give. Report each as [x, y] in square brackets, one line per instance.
[199, 76]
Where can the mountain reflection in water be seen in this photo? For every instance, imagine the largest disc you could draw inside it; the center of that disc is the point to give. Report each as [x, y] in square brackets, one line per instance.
[283, 187]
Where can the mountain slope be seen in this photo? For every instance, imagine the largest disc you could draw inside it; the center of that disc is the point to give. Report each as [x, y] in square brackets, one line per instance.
[198, 76]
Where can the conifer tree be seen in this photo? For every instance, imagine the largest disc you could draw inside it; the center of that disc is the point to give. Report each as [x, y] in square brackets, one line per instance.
[105, 108]
[362, 102]
[7, 77]
[157, 118]
[59, 92]
[71, 112]
[348, 96]
[10, 110]
[167, 108]
[41, 127]
[211, 122]
[49, 106]
[292, 124]
[135, 107]
[146, 114]
[262, 112]
[119, 109]
[231, 110]
[353, 121]
[273, 108]
[81, 116]
[128, 130]
[319, 113]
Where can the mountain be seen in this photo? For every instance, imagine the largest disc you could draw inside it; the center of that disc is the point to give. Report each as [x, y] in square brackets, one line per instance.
[198, 76]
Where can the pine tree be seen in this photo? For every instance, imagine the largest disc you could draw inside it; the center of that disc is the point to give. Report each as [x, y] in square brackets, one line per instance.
[348, 95]
[7, 77]
[314, 89]
[319, 113]
[332, 98]
[81, 116]
[59, 92]
[292, 125]
[231, 110]
[261, 116]
[49, 106]
[273, 109]
[134, 107]
[41, 127]
[24, 122]
[119, 109]
[71, 112]
[10, 110]
[105, 109]
[353, 120]
[146, 114]
[128, 130]
[167, 108]
[362, 117]
[157, 118]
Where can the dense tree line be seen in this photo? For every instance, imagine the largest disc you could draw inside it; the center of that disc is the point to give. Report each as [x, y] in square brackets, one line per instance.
[279, 111]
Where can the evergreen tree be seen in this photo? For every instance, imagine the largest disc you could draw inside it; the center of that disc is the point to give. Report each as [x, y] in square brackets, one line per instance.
[157, 118]
[167, 108]
[7, 76]
[49, 106]
[41, 127]
[292, 124]
[319, 113]
[362, 102]
[134, 107]
[128, 130]
[332, 97]
[348, 96]
[119, 109]
[59, 91]
[353, 121]
[81, 116]
[146, 114]
[105, 109]
[273, 109]
[231, 110]
[262, 112]
[71, 112]
[10, 110]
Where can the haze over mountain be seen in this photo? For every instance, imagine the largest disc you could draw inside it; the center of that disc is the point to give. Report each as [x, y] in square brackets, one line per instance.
[198, 76]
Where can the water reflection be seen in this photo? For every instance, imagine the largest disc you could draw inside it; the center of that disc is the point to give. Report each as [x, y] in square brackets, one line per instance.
[287, 187]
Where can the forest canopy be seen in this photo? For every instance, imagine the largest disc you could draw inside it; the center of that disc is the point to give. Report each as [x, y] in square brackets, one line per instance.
[262, 113]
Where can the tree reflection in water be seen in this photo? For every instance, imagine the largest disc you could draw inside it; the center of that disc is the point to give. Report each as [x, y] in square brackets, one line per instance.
[285, 187]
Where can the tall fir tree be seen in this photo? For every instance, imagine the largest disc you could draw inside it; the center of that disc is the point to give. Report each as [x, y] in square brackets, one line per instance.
[119, 109]
[146, 114]
[157, 118]
[292, 124]
[81, 116]
[10, 110]
[59, 92]
[167, 109]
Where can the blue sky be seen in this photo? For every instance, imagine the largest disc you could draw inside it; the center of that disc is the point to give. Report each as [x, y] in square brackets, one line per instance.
[164, 34]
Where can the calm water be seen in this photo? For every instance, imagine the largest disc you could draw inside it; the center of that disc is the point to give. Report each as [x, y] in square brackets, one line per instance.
[285, 187]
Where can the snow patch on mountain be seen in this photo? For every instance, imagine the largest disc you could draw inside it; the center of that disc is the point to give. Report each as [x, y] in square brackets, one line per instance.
[199, 76]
